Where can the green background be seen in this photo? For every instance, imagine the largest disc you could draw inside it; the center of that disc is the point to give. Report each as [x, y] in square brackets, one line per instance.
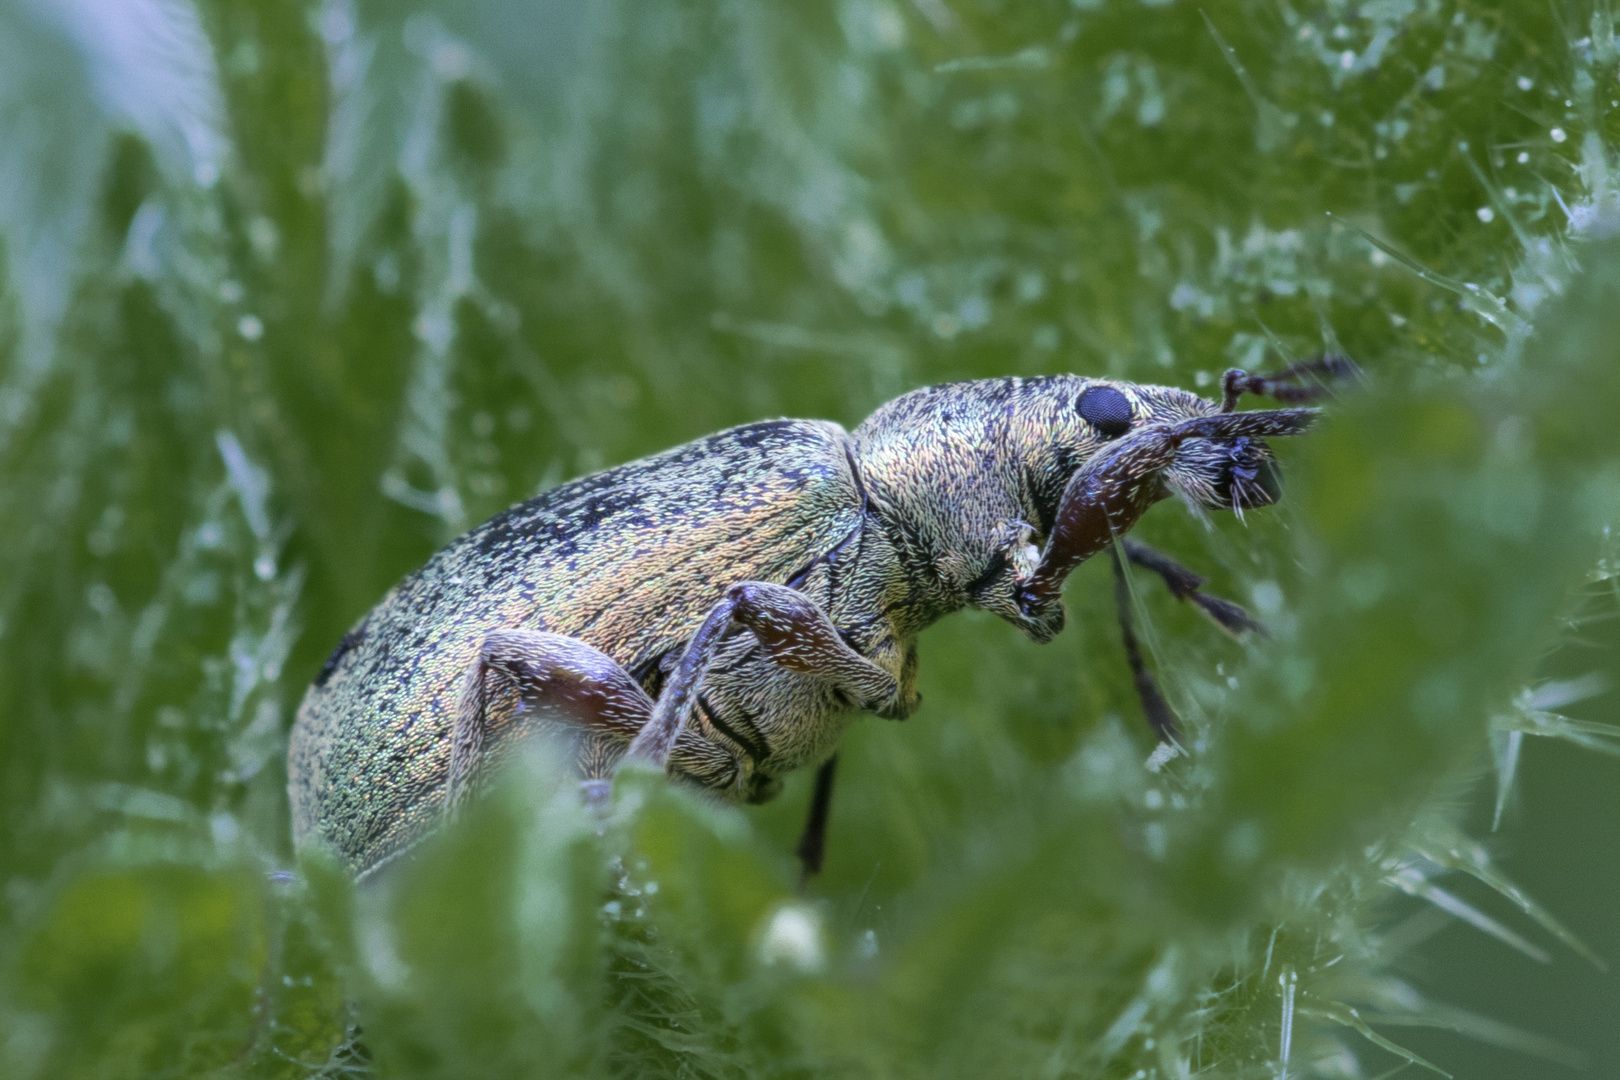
[295, 293]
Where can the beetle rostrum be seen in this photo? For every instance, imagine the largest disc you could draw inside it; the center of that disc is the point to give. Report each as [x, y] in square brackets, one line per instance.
[725, 609]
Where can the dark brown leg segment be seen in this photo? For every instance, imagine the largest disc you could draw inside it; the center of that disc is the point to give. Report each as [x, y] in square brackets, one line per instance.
[794, 632]
[523, 676]
[813, 841]
[1184, 585]
[1160, 716]
[1105, 499]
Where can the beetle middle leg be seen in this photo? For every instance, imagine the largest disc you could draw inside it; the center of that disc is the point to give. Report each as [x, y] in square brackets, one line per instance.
[797, 634]
[794, 632]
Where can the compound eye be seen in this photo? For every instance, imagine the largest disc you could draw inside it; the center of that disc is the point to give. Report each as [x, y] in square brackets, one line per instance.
[1105, 409]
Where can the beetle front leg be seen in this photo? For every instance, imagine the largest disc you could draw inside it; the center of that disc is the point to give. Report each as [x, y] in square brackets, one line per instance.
[1111, 492]
[1160, 716]
[1308, 380]
[1105, 498]
[794, 632]
[1184, 584]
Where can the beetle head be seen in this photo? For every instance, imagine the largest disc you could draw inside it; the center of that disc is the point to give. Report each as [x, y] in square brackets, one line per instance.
[972, 474]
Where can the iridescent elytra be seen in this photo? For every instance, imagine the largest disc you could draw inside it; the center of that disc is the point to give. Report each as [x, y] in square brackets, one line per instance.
[726, 608]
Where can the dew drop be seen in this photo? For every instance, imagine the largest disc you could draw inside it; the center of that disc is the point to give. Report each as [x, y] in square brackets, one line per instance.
[1267, 596]
[793, 938]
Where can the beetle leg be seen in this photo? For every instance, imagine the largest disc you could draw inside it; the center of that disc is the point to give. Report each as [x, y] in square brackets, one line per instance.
[1103, 499]
[558, 678]
[794, 632]
[1184, 585]
[1307, 380]
[797, 634]
[813, 841]
[1107, 496]
[1160, 716]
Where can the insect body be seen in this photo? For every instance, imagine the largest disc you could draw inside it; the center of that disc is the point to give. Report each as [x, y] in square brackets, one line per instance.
[726, 608]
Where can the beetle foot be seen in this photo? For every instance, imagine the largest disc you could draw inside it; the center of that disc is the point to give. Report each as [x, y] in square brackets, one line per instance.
[760, 788]
[1043, 628]
[1040, 619]
[898, 705]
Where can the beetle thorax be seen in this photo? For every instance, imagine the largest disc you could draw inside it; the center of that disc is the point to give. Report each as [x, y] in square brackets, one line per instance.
[968, 475]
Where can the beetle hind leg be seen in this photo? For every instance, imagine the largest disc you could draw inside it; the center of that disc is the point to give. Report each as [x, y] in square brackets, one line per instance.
[523, 678]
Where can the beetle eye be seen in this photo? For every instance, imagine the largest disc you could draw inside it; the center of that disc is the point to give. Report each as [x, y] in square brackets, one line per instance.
[1105, 409]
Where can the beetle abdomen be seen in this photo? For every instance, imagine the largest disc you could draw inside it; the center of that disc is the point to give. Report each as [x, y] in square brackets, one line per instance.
[628, 560]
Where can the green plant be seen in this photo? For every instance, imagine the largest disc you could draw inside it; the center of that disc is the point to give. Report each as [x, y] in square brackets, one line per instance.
[293, 293]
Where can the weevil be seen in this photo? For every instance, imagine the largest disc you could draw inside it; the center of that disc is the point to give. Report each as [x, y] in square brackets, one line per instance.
[725, 609]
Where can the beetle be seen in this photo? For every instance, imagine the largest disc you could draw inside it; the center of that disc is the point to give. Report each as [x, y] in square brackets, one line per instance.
[726, 608]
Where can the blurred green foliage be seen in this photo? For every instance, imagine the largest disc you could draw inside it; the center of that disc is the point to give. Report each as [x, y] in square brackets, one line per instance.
[294, 292]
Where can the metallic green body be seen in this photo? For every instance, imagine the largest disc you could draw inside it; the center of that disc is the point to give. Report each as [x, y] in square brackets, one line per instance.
[938, 501]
